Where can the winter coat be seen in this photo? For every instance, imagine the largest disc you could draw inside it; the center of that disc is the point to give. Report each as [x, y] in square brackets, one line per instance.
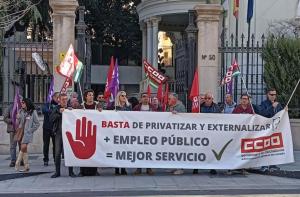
[178, 107]
[214, 108]
[30, 122]
[139, 106]
[229, 108]
[240, 110]
[56, 120]
[47, 110]
[124, 108]
[8, 120]
[267, 110]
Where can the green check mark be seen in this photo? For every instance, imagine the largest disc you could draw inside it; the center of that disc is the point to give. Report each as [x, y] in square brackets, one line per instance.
[219, 155]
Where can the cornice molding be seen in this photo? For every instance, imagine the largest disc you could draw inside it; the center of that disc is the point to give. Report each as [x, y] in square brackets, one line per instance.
[151, 8]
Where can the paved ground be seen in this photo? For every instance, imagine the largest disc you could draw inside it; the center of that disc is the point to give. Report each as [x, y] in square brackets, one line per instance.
[38, 182]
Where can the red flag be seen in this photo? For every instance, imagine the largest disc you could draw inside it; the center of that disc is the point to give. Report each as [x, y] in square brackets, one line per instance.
[166, 96]
[68, 83]
[194, 94]
[236, 5]
[109, 77]
[160, 93]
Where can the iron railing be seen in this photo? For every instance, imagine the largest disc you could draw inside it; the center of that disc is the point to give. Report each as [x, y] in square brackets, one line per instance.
[251, 63]
[18, 69]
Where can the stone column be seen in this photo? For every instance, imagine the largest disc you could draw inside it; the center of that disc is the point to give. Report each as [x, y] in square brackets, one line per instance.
[63, 17]
[155, 22]
[208, 18]
[149, 41]
[144, 45]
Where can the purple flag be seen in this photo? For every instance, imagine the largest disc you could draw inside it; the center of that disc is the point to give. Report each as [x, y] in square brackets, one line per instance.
[114, 83]
[229, 88]
[50, 91]
[16, 108]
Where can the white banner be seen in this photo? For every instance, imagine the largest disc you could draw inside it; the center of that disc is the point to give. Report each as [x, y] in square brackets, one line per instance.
[185, 140]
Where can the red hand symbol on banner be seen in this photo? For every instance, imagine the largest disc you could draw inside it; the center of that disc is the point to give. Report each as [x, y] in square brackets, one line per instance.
[84, 144]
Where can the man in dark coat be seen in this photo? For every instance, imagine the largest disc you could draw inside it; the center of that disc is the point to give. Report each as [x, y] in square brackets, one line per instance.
[47, 127]
[56, 119]
[268, 108]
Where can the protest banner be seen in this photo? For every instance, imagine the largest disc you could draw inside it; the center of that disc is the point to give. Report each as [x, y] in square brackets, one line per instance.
[183, 140]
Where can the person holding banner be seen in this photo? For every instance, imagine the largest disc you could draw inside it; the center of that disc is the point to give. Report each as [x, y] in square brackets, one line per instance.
[133, 101]
[245, 106]
[101, 100]
[56, 119]
[175, 106]
[156, 105]
[268, 108]
[74, 103]
[209, 107]
[121, 104]
[28, 122]
[89, 104]
[144, 105]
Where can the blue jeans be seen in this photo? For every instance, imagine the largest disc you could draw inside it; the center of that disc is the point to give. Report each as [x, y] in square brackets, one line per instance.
[13, 147]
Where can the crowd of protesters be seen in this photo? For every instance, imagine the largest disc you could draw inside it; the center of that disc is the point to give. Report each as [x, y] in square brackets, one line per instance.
[27, 119]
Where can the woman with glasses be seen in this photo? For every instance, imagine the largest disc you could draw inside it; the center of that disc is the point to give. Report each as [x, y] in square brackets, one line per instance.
[121, 104]
[27, 120]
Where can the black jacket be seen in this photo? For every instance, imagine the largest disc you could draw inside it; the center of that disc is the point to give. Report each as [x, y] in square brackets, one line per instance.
[56, 120]
[47, 110]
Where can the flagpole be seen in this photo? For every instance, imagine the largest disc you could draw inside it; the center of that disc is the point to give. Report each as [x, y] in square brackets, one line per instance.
[199, 103]
[199, 96]
[248, 52]
[81, 93]
[293, 93]
[249, 17]
[247, 93]
[236, 41]
[115, 99]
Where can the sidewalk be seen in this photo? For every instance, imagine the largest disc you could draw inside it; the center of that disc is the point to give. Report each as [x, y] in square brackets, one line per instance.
[39, 181]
